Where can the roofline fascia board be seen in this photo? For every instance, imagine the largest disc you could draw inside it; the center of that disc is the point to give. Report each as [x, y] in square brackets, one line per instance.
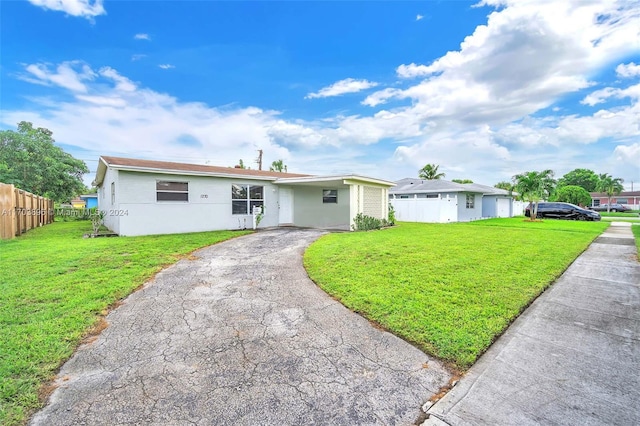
[357, 180]
[189, 173]
[434, 191]
[346, 180]
[97, 181]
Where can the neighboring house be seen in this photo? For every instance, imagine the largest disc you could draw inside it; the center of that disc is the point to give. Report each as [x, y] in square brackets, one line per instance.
[91, 200]
[78, 203]
[442, 201]
[497, 202]
[629, 199]
[144, 197]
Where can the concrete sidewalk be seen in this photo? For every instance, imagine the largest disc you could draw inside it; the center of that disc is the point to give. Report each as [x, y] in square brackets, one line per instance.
[572, 358]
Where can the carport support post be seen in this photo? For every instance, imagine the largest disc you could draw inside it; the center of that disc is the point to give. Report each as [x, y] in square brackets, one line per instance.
[356, 202]
[257, 210]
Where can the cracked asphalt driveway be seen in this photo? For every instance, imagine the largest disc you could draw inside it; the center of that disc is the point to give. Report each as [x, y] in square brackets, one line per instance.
[240, 335]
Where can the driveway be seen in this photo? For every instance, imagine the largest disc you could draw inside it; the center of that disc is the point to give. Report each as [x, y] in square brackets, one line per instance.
[240, 335]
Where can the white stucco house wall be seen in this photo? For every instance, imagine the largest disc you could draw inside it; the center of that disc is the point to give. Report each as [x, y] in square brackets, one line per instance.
[496, 202]
[442, 201]
[146, 197]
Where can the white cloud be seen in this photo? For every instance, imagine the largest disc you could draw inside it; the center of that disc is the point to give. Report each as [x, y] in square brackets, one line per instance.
[166, 66]
[142, 36]
[419, 17]
[412, 70]
[122, 83]
[599, 96]
[628, 70]
[528, 55]
[287, 133]
[82, 8]
[629, 154]
[348, 85]
[69, 75]
[137, 57]
[463, 152]
[381, 96]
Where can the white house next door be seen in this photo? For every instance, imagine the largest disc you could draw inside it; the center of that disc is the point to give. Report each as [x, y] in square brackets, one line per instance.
[286, 205]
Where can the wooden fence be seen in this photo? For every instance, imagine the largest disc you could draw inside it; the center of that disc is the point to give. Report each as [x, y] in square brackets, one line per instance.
[21, 210]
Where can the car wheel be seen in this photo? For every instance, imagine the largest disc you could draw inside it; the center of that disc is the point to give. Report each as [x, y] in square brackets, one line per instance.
[582, 217]
[614, 210]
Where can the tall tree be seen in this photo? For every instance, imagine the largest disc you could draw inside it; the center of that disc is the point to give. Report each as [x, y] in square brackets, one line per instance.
[30, 160]
[430, 172]
[507, 186]
[533, 187]
[278, 166]
[573, 194]
[585, 178]
[610, 186]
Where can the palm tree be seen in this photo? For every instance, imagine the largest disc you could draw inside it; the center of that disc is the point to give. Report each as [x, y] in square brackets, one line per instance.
[533, 187]
[430, 172]
[610, 186]
[278, 166]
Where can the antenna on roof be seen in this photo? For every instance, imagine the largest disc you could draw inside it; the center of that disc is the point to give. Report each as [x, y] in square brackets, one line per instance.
[259, 159]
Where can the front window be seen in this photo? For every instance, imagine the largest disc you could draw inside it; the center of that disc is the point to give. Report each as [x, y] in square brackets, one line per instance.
[245, 197]
[330, 196]
[622, 201]
[471, 201]
[596, 202]
[172, 191]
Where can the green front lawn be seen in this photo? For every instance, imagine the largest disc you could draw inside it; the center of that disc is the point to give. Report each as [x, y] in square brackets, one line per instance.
[636, 232]
[55, 284]
[451, 289]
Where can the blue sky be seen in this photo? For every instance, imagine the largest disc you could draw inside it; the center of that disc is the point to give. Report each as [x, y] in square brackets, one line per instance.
[485, 90]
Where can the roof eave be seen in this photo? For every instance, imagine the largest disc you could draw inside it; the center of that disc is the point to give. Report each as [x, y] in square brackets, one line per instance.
[345, 179]
[100, 172]
[190, 172]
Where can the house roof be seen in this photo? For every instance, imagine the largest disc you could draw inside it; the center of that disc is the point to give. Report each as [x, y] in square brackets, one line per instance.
[413, 186]
[150, 166]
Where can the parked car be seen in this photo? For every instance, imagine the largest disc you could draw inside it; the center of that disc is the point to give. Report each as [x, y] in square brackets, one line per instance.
[562, 211]
[614, 208]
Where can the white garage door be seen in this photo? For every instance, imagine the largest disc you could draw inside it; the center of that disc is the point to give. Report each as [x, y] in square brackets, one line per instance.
[503, 207]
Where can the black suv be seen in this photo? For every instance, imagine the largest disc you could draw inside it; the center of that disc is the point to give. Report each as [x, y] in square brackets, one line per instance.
[562, 211]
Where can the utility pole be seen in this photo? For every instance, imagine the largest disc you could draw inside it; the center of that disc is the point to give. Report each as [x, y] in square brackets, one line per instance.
[259, 159]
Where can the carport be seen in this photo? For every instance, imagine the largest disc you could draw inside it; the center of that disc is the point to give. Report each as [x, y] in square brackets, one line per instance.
[331, 202]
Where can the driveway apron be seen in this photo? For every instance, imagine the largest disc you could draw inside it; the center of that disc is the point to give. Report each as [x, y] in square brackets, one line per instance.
[572, 358]
[238, 334]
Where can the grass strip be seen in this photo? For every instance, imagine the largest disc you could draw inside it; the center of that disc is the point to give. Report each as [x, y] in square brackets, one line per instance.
[55, 285]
